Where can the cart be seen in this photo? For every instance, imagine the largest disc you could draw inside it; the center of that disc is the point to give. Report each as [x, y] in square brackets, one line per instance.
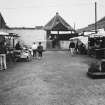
[22, 54]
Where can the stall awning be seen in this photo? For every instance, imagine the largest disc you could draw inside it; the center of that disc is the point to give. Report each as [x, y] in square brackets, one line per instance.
[82, 39]
[4, 33]
[8, 34]
[97, 35]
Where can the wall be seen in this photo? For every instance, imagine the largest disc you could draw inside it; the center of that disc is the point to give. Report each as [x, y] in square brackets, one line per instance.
[64, 44]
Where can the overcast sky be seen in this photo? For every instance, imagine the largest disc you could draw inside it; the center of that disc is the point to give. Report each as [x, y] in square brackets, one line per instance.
[31, 13]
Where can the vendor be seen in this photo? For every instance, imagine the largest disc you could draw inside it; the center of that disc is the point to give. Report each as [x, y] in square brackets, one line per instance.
[97, 44]
[18, 46]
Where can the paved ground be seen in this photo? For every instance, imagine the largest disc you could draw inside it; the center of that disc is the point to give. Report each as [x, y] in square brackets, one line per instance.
[57, 79]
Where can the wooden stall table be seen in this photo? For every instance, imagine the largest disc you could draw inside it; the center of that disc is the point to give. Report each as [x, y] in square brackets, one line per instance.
[100, 53]
[3, 65]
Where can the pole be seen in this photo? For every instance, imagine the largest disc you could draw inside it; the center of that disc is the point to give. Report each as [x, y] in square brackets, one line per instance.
[74, 26]
[58, 45]
[95, 17]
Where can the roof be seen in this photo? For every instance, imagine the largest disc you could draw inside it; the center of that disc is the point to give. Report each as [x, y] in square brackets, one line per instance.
[2, 22]
[91, 27]
[102, 19]
[57, 23]
[27, 28]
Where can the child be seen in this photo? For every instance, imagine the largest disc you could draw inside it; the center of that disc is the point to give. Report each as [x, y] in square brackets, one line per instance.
[40, 50]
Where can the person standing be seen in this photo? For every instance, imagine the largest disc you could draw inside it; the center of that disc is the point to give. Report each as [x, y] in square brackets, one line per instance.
[40, 50]
[72, 47]
[3, 65]
[34, 49]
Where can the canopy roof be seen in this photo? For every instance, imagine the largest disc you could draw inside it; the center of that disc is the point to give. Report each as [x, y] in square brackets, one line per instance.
[97, 35]
[81, 39]
[8, 34]
[4, 33]
[57, 23]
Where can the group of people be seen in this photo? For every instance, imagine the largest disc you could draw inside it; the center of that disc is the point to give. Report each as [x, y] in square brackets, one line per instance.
[77, 48]
[37, 50]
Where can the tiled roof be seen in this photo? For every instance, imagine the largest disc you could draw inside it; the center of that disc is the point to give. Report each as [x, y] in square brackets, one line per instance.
[91, 27]
[57, 23]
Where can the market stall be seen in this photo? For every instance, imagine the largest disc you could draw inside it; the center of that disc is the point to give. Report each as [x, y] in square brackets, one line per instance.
[8, 42]
[96, 45]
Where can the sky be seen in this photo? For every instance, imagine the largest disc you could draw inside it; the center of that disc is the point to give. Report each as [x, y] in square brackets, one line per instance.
[31, 13]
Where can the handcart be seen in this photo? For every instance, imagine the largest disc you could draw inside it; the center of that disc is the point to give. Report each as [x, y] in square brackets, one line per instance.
[22, 54]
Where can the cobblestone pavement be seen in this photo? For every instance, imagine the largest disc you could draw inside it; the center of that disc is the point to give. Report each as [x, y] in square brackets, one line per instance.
[57, 79]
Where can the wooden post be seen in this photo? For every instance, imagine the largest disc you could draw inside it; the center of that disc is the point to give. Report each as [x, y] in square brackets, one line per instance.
[58, 33]
[13, 43]
[48, 33]
[58, 41]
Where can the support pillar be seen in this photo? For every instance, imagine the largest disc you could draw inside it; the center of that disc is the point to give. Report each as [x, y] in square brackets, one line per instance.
[58, 41]
[13, 42]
